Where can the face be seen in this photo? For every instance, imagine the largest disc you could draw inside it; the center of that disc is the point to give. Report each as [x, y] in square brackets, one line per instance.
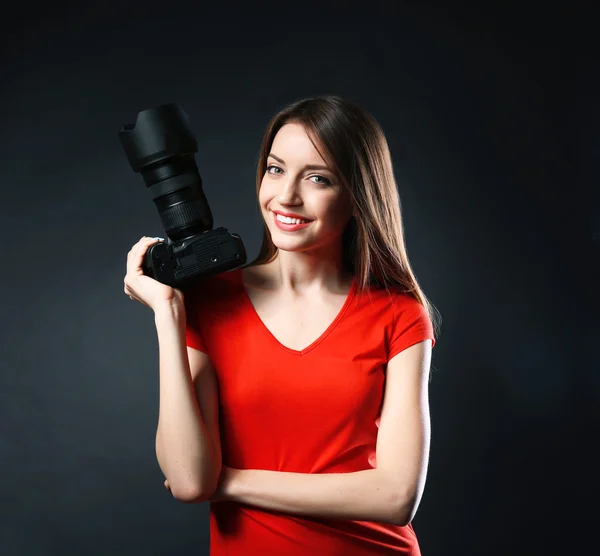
[299, 182]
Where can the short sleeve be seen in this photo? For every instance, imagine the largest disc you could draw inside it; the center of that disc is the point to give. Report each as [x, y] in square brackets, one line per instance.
[193, 334]
[411, 325]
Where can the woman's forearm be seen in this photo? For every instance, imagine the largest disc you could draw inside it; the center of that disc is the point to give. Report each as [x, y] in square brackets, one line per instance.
[184, 449]
[362, 495]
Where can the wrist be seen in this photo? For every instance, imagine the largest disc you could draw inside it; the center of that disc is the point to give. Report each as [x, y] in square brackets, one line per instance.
[230, 485]
[169, 310]
[236, 484]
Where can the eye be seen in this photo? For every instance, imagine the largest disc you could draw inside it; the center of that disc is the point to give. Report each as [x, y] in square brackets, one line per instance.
[325, 181]
[272, 166]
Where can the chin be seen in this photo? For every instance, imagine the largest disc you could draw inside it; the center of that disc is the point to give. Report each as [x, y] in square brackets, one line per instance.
[290, 246]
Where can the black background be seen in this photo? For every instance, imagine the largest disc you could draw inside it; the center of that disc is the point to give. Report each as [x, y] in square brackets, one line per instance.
[491, 114]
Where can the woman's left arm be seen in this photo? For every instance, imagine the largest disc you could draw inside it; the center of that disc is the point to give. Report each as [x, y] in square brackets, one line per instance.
[390, 493]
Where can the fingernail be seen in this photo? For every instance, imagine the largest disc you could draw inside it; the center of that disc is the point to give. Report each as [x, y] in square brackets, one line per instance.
[159, 238]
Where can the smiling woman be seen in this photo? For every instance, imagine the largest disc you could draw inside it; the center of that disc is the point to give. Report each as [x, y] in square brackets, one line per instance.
[293, 197]
[320, 349]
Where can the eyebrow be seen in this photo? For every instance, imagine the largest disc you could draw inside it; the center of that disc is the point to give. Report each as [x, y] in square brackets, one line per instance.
[307, 166]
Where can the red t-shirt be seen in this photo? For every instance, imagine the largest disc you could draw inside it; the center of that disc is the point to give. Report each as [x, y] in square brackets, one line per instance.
[313, 410]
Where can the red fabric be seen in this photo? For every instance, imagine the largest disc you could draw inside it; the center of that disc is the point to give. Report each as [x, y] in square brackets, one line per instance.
[309, 411]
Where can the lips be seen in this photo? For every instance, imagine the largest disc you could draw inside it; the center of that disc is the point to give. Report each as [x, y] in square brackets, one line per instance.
[290, 227]
[292, 215]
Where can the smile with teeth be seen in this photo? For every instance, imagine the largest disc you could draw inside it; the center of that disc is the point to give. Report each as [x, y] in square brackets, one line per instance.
[288, 220]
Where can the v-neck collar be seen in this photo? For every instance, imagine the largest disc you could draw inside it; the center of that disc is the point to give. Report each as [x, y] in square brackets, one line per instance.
[313, 344]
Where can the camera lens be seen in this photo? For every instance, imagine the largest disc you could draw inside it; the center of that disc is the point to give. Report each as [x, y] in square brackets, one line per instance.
[161, 146]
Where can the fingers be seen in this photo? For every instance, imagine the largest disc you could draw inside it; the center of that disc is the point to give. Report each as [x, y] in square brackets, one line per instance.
[135, 257]
[136, 254]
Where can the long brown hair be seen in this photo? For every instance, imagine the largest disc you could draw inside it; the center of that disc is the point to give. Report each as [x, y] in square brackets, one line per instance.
[356, 148]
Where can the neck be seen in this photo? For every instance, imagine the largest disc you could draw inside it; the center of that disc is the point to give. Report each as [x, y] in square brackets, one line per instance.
[297, 272]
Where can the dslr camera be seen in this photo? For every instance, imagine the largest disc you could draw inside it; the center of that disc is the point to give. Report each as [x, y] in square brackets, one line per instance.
[161, 146]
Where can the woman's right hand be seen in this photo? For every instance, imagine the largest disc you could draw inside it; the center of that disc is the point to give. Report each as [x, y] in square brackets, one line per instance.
[142, 288]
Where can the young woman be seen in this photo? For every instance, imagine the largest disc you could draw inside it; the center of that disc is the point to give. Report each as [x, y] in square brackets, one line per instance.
[294, 391]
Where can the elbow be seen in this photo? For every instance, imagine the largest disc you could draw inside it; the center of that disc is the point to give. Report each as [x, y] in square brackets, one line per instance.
[198, 489]
[195, 493]
[190, 495]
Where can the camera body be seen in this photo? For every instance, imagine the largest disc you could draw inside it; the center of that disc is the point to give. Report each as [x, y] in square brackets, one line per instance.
[181, 263]
[161, 146]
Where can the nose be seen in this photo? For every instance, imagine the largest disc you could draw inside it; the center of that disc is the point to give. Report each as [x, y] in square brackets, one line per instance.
[289, 194]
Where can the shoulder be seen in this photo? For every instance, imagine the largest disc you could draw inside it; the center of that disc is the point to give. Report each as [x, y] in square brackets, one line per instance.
[393, 298]
[214, 289]
[411, 320]
[406, 305]
[392, 305]
[256, 276]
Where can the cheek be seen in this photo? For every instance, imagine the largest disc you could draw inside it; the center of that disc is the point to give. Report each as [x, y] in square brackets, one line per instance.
[264, 194]
[336, 212]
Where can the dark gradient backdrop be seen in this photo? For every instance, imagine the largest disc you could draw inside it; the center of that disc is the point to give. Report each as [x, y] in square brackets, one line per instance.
[487, 112]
